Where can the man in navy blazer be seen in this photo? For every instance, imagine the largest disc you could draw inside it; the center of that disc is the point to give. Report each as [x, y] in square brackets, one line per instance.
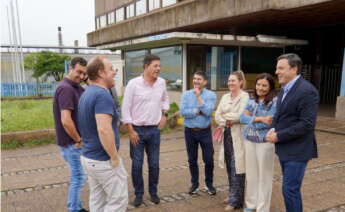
[293, 127]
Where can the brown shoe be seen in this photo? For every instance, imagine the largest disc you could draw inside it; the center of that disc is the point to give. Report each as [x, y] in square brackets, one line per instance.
[229, 208]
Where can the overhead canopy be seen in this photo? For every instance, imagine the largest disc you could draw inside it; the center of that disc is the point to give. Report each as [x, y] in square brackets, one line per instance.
[175, 38]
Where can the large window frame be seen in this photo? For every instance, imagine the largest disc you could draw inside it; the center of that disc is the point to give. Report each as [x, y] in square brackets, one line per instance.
[174, 79]
[120, 14]
[154, 4]
[140, 7]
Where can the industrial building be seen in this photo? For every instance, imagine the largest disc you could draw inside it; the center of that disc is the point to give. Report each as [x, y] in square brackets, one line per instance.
[221, 36]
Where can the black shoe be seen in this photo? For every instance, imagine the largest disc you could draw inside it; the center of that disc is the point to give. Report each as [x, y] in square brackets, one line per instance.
[193, 189]
[211, 190]
[155, 199]
[138, 201]
[83, 210]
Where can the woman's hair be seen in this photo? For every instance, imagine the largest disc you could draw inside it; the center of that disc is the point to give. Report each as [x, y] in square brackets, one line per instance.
[271, 93]
[240, 76]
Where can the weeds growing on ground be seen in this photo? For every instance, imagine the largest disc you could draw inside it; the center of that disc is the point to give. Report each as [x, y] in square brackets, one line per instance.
[13, 144]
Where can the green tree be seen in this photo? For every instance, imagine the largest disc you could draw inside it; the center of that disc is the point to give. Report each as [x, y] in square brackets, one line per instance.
[45, 64]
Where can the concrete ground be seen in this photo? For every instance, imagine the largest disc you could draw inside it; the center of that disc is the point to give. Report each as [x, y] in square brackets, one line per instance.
[36, 179]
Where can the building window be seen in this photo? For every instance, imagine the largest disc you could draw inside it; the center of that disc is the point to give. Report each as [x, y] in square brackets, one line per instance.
[103, 21]
[256, 60]
[171, 66]
[140, 7]
[120, 14]
[97, 23]
[168, 2]
[133, 64]
[111, 17]
[130, 11]
[153, 4]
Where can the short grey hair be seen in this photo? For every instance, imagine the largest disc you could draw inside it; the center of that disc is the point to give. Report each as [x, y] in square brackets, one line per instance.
[293, 59]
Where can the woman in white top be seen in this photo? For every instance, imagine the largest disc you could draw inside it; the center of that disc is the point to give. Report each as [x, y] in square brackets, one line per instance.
[228, 113]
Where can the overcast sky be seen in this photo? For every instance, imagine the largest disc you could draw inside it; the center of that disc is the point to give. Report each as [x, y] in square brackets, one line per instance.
[40, 19]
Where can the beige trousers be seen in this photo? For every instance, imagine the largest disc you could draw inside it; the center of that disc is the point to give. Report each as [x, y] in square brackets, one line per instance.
[259, 175]
[108, 185]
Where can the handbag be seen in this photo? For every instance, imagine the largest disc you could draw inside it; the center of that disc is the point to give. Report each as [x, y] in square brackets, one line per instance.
[252, 134]
[218, 135]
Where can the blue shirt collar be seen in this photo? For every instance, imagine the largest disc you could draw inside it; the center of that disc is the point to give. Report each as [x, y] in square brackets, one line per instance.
[288, 86]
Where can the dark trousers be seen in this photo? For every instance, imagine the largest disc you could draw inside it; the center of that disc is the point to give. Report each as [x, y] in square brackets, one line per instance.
[236, 181]
[193, 139]
[293, 173]
[149, 140]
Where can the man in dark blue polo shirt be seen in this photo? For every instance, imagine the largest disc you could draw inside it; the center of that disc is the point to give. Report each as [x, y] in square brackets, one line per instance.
[65, 108]
[98, 119]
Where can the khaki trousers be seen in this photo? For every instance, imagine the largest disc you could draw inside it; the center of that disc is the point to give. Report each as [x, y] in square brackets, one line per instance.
[108, 185]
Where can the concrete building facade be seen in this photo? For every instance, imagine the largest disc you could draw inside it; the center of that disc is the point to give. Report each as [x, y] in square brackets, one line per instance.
[221, 36]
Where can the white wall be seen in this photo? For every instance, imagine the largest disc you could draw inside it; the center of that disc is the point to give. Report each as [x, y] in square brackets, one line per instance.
[118, 64]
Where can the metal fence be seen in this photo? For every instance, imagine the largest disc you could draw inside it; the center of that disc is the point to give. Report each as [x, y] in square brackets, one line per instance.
[27, 89]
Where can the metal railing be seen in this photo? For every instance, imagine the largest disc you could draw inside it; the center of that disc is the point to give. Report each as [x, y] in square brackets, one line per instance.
[27, 89]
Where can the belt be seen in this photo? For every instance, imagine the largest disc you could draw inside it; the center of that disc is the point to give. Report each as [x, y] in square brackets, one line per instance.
[145, 126]
[200, 129]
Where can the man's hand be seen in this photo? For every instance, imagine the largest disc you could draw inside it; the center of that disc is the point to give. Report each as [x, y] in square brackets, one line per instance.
[197, 92]
[271, 136]
[134, 137]
[115, 161]
[78, 145]
[162, 122]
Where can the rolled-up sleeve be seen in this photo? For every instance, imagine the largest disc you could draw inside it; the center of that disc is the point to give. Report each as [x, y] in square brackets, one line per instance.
[218, 117]
[247, 119]
[127, 104]
[165, 99]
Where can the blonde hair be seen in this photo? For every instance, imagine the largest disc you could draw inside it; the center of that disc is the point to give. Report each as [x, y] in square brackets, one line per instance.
[240, 76]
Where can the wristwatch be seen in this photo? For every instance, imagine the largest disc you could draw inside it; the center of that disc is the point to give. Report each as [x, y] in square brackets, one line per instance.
[165, 114]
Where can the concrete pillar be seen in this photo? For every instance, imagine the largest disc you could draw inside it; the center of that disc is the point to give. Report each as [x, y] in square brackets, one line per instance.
[184, 67]
[340, 110]
[215, 66]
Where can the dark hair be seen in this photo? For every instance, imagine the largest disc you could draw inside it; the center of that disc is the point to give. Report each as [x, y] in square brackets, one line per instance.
[293, 59]
[240, 76]
[77, 60]
[94, 66]
[271, 94]
[202, 74]
[149, 58]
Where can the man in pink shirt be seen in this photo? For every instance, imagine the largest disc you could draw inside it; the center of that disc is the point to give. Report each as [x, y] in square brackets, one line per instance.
[144, 110]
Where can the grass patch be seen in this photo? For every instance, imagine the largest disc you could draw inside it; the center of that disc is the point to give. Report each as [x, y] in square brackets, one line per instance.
[13, 144]
[21, 115]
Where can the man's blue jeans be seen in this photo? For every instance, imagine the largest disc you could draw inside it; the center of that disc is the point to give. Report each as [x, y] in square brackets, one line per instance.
[193, 139]
[293, 173]
[149, 140]
[77, 178]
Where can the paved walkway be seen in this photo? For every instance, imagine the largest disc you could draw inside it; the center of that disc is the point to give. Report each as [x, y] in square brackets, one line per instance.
[36, 179]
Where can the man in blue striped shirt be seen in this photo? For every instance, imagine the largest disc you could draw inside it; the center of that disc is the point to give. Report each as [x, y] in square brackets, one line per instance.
[196, 107]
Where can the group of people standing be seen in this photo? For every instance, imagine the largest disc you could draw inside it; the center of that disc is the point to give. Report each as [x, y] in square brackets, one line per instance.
[87, 132]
